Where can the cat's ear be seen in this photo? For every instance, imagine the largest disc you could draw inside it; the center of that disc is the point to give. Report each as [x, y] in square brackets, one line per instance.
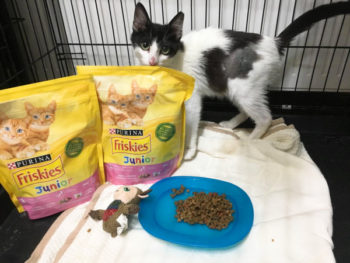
[27, 120]
[28, 106]
[134, 86]
[176, 24]
[52, 106]
[3, 116]
[112, 91]
[141, 19]
[153, 89]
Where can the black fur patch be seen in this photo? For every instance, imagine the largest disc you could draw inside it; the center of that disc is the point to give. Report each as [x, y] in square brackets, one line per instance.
[241, 39]
[220, 65]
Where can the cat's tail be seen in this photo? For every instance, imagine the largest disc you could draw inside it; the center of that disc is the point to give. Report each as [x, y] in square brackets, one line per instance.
[305, 21]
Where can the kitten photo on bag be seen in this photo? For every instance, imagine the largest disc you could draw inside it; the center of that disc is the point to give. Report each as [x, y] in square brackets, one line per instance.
[224, 63]
[125, 111]
[23, 137]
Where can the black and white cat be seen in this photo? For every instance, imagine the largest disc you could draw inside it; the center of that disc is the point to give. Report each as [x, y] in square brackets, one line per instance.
[224, 63]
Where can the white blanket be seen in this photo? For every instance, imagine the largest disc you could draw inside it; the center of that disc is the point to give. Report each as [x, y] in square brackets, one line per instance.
[292, 211]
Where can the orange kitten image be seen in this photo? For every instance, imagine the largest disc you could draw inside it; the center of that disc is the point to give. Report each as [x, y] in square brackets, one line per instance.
[39, 120]
[13, 139]
[114, 110]
[142, 98]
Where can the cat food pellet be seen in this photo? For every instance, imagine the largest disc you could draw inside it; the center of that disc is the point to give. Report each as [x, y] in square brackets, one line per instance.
[178, 191]
[210, 209]
[89, 230]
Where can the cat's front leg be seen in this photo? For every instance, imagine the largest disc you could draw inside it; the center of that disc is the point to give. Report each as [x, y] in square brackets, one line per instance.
[193, 112]
[25, 153]
[125, 124]
[5, 155]
[137, 122]
[108, 121]
[40, 145]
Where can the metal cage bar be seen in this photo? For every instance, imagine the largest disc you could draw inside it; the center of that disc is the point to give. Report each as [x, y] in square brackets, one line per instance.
[56, 35]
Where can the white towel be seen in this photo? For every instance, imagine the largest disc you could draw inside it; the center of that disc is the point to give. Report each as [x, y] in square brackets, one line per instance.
[292, 220]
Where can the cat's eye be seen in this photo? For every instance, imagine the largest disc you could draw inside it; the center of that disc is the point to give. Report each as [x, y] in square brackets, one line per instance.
[144, 45]
[113, 102]
[148, 97]
[165, 50]
[7, 128]
[47, 117]
[138, 96]
[123, 104]
[126, 189]
[19, 130]
[35, 117]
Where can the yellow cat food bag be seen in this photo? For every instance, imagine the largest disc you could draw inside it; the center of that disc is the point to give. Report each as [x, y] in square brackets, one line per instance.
[143, 115]
[50, 151]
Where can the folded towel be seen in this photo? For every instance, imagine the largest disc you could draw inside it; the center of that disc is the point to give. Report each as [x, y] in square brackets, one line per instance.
[281, 136]
[292, 211]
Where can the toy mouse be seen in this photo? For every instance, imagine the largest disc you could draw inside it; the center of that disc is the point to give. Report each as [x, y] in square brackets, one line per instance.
[126, 200]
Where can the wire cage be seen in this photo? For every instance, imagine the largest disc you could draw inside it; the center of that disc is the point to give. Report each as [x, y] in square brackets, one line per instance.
[45, 39]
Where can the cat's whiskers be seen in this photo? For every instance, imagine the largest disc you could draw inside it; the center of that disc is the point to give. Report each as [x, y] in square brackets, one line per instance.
[116, 111]
[11, 140]
[40, 127]
[140, 105]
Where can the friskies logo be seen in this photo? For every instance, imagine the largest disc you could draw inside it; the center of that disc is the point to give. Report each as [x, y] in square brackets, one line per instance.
[131, 146]
[39, 174]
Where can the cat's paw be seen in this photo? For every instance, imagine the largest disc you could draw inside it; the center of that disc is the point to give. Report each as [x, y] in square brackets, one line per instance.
[43, 146]
[108, 121]
[190, 153]
[5, 156]
[26, 153]
[124, 124]
[137, 122]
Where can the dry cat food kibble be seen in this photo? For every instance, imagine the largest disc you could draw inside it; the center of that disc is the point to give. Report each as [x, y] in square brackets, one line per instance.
[210, 209]
[179, 191]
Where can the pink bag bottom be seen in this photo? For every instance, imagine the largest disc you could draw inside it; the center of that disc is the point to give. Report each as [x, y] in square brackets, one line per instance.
[141, 174]
[52, 203]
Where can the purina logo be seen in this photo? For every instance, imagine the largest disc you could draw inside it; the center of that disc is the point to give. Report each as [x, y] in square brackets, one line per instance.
[126, 132]
[26, 162]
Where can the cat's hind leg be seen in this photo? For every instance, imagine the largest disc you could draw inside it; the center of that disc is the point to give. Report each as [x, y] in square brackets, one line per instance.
[260, 113]
[251, 101]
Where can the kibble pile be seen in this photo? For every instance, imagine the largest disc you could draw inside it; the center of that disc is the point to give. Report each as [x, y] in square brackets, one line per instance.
[211, 209]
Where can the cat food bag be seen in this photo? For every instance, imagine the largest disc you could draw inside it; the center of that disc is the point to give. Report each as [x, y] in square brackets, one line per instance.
[50, 150]
[143, 116]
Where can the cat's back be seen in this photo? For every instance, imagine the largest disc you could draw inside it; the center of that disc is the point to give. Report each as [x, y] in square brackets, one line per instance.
[204, 39]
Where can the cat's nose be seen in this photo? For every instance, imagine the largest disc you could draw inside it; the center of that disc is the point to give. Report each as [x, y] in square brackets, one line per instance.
[153, 61]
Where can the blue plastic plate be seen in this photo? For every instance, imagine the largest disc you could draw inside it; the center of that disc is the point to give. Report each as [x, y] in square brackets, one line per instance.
[158, 210]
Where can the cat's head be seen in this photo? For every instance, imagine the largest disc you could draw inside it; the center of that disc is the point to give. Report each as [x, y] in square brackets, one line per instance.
[116, 100]
[155, 44]
[41, 117]
[142, 97]
[13, 131]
